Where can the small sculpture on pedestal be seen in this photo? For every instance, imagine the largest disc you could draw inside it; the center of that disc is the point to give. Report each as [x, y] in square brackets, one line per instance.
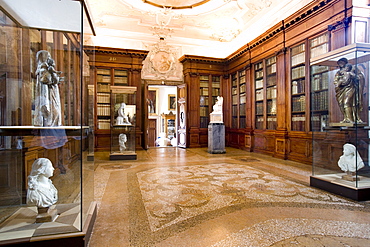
[122, 119]
[350, 162]
[41, 191]
[122, 139]
[216, 115]
[349, 84]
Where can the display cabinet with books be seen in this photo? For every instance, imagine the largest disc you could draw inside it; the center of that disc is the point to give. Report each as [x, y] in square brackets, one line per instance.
[259, 95]
[123, 116]
[340, 147]
[235, 100]
[242, 100]
[271, 92]
[319, 84]
[298, 87]
[46, 179]
[204, 101]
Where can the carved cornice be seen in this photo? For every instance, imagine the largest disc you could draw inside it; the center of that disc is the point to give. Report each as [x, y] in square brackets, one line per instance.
[115, 51]
[190, 58]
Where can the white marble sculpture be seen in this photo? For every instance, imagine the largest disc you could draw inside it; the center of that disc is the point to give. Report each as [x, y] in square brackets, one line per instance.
[351, 160]
[122, 139]
[41, 191]
[216, 115]
[47, 97]
[122, 119]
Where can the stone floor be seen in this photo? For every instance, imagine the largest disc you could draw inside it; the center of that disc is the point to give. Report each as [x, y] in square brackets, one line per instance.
[188, 197]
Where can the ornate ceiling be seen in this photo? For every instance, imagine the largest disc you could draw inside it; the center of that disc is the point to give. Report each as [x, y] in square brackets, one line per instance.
[213, 28]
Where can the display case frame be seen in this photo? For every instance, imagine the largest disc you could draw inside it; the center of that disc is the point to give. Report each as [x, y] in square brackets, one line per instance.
[340, 147]
[47, 180]
[123, 114]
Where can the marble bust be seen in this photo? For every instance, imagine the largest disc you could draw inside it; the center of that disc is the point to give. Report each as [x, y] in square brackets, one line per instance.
[351, 160]
[122, 139]
[41, 191]
[122, 119]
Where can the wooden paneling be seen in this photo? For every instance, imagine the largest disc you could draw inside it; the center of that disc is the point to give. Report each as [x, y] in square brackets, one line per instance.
[152, 130]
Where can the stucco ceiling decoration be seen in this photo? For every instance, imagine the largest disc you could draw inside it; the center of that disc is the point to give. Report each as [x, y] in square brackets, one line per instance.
[214, 28]
[176, 4]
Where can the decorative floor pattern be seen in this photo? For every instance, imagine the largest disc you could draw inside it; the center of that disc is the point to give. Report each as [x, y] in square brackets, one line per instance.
[175, 197]
[298, 232]
[173, 194]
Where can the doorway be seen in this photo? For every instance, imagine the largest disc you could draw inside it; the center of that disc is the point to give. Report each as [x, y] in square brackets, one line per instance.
[162, 119]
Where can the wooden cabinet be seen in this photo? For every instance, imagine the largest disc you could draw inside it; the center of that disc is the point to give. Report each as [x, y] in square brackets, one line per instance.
[259, 96]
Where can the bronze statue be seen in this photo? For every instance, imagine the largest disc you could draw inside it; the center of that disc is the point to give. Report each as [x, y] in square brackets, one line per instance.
[349, 84]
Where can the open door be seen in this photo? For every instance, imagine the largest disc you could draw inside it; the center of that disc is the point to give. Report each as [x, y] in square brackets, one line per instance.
[181, 115]
[146, 124]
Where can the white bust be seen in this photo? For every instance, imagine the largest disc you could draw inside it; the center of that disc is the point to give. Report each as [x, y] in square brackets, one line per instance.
[122, 139]
[41, 191]
[347, 162]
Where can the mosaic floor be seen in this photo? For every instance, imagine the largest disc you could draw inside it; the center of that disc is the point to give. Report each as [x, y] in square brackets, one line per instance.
[188, 197]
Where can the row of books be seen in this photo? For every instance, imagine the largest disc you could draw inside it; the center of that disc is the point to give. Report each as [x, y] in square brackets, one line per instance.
[319, 69]
[242, 79]
[204, 84]
[259, 73]
[298, 86]
[259, 94]
[103, 124]
[298, 122]
[298, 59]
[242, 122]
[204, 111]
[271, 123]
[204, 78]
[320, 101]
[235, 110]
[234, 123]
[243, 99]
[260, 122]
[103, 78]
[320, 81]
[103, 71]
[235, 99]
[259, 83]
[104, 88]
[271, 81]
[271, 106]
[271, 69]
[204, 122]
[203, 100]
[298, 72]
[258, 66]
[271, 92]
[102, 98]
[299, 103]
[205, 91]
[319, 50]
[120, 80]
[242, 110]
[298, 49]
[242, 88]
[103, 110]
[120, 72]
[319, 40]
[271, 60]
[259, 108]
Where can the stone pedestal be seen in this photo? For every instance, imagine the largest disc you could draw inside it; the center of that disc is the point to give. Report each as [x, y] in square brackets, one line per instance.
[216, 138]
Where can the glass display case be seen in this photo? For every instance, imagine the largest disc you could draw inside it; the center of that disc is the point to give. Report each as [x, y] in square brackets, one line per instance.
[340, 121]
[123, 113]
[46, 180]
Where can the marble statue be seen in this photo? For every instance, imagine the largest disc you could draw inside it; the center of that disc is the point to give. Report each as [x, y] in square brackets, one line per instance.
[47, 97]
[217, 108]
[41, 191]
[350, 161]
[122, 119]
[122, 139]
[349, 84]
[217, 115]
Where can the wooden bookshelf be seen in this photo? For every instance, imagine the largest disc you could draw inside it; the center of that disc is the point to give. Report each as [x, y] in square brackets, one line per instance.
[259, 95]
[204, 100]
[271, 92]
[235, 100]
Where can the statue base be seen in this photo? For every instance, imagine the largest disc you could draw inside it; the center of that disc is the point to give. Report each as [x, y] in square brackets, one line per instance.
[216, 118]
[347, 124]
[46, 215]
[351, 176]
[216, 138]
